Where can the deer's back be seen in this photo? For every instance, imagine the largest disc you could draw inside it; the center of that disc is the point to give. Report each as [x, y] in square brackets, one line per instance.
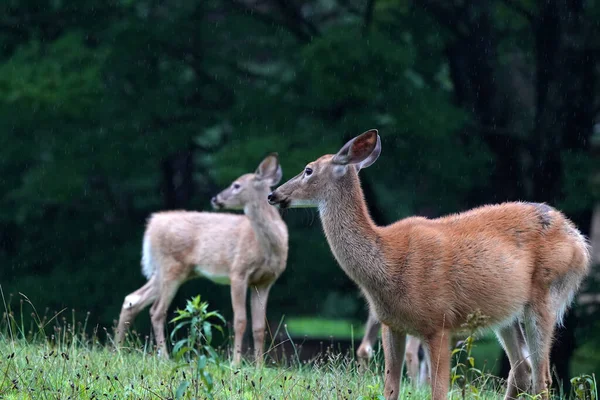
[208, 241]
[493, 258]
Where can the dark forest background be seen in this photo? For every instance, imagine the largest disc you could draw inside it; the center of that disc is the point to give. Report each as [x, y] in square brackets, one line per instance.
[111, 110]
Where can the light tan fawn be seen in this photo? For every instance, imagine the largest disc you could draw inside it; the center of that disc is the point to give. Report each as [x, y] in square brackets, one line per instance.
[245, 251]
[510, 262]
[416, 370]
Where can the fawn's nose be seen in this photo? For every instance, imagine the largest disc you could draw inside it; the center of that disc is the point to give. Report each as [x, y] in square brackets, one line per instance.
[213, 200]
[271, 197]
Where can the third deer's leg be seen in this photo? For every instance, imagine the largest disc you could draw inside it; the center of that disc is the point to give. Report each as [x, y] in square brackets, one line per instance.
[438, 346]
[412, 359]
[425, 366]
[394, 344]
[132, 305]
[239, 287]
[365, 350]
[258, 308]
[158, 312]
[519, 378]
[539, 328]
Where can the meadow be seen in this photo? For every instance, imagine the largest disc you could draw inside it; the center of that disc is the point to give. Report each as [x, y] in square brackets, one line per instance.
[54, 357]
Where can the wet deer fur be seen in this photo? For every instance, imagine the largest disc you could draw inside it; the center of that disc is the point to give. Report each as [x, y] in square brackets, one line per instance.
[244, 250]
[510, 262]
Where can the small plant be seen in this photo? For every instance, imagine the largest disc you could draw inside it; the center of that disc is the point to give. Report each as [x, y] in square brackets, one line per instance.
[374, 393]
[464, 374]
[584, 387]
[196, 347]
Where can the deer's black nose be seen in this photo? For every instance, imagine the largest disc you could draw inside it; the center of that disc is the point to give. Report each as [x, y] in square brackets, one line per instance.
[213, 200]
[270, 196]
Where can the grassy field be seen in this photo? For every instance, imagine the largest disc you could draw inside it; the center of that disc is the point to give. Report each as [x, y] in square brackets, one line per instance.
[51, 371]
[60, 361]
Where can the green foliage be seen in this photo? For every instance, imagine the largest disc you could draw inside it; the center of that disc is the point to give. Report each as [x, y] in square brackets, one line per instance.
[374, 393]
[62, 78]
[324, 328]
[465, 375]
[58, 358]
[345, 68]
[581, 183]
[100, 103]
[196, 347]
[471, 381]
[584, 387]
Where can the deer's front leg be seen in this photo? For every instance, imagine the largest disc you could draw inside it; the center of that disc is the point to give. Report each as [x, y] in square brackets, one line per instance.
[239, 286]
[258, 307]
[438, 346]
[394, 344]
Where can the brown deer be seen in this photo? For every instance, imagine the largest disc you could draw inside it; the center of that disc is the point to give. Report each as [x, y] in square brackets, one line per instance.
[416, 370]
[511, 262]
[245, 251]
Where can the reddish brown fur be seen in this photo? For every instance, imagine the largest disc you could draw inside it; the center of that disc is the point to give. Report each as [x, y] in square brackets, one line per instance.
[510, 262]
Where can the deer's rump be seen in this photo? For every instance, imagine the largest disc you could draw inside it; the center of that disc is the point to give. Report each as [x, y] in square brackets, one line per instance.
[494, 260]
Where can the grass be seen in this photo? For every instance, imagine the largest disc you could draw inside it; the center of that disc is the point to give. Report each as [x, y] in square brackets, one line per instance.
[56, 359]
[43, 371]
[324, 328]
[40, 371]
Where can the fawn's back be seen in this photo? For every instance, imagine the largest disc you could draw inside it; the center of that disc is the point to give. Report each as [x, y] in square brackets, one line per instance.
[187, 242]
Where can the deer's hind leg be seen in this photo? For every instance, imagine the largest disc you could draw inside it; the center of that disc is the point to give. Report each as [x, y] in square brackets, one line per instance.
[540, 323]
[158, 311]
[411, 359]
[133, 304]
[519, 378]
[365, 349]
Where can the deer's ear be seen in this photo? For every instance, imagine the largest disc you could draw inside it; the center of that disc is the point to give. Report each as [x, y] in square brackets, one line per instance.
[372, 157]
[362, 151]
[269, 170]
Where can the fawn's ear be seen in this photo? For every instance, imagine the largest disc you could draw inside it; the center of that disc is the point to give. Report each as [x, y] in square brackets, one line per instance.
[269, 170]
[361, 151]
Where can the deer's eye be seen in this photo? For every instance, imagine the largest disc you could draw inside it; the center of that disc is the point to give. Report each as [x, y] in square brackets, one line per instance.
[236, 186]
[308, 171]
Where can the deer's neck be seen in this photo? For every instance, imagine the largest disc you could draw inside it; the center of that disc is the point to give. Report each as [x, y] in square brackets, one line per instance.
[352, 234]
[269, 228]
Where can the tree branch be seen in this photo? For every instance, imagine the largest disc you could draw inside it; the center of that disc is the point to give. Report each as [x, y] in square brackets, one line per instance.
[345, 4]
[520, 9]
[443, 16]
[227, 96]
[368, 17]
[240, 69]
[293, 15]
[302, 36]
[12, 28]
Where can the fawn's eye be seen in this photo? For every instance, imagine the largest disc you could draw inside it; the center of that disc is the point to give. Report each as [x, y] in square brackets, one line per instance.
[308, 171]
[236, 185]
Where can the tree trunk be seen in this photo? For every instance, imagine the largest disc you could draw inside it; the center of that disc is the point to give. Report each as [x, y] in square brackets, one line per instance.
[178, 179]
